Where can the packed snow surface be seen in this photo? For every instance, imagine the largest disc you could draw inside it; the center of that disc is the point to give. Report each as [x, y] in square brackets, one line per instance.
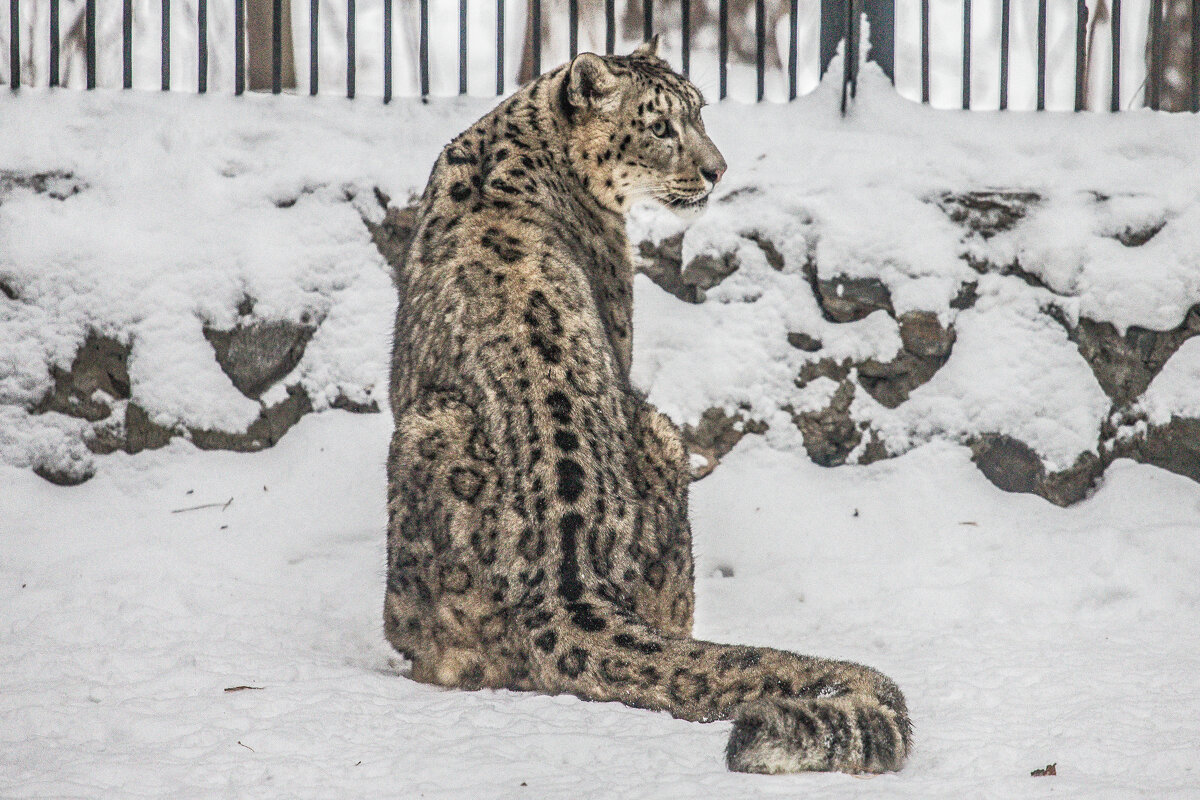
[1021, 633]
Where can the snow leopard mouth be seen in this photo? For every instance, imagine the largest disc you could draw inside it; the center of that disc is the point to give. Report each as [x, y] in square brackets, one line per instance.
[687, 204]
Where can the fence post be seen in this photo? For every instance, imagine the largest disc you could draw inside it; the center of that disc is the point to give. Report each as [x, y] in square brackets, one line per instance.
[90, 26]
[166, 45]
[54, 44]
[833, 30]
[14, 44]
[1115, 101]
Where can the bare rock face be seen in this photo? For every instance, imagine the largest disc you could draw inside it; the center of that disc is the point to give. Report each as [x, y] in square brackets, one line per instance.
[1174, 446]
[851, 299]
[258, 354]
[987, 213]
[662, 262]
[1125, 365]
[393, 235]
[266, 431]
[829, 433]
[1008, 463]
[715, 435]
[1013, 466]
[97, 376]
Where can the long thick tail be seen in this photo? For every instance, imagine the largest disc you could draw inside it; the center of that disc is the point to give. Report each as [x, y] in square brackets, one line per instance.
[791, 713]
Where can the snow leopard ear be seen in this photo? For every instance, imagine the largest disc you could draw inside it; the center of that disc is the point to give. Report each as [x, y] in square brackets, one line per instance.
[648, 49]
[591, 84]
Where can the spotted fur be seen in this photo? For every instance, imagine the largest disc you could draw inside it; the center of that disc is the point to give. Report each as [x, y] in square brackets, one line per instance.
[538, 536]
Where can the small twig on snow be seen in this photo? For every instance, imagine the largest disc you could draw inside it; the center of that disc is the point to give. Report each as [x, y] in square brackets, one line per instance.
[221, 506]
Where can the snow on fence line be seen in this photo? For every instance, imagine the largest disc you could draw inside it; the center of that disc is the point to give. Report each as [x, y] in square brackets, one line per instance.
[1057, 54]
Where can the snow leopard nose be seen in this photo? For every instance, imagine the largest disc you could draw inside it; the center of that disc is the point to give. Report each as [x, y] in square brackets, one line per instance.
[713, 166]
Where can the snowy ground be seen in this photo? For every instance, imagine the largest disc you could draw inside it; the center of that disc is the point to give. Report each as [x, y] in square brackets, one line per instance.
[1022, 634]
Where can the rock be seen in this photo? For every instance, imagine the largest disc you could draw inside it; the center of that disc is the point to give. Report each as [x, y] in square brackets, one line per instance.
[266, 431]
[1011, 465]
[891, 382]
[836, 371]
[1139, 235]
[987, 213]
[1073, 484]
[71, 474]
[100, 365]
[393, 236]
[257, 354]
[1174, 446]
[1125, 365]
[923, 336]
[715, 435]
[354, 407]
[58, 184]
[662, 262]
[830, 434]
[768, 248]
[706, 271]
[142, 433]
[967, 294]
[845, 299]
[926, 348]
[1008, 463]
[802, 341]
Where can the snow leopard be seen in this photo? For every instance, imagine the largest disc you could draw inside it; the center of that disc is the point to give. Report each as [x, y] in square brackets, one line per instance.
[538, 535]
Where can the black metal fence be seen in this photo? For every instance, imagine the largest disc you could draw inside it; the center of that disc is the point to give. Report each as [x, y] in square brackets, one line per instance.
[761, 23]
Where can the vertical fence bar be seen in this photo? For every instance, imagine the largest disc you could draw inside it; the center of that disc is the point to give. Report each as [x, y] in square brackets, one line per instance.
[1155, 46]
[1005, 19]
[239, 46]
[573, 26]
[647, 19]
[850, 61]
[1196, 56]
[14, 44]
[499, 47]
[793, 36]
[351, 65]
[201, 46]
[1081, 17]
[610, 26]
[314, 17]
[387, 51]
[54, 71]
[462, 46]
[760, 48]
[536, 35]
[89, 24]
[723, 46]
[166, 45]
[1041, 56]
[127, 44]
[1115, 103]
[685, 9]
[423, 48]
[276, 46]
[966, 63]
[924, 51]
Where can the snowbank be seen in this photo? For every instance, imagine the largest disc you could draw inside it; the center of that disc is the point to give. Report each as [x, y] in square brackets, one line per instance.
[883, 280]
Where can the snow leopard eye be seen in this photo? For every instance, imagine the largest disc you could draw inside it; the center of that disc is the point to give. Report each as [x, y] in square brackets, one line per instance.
[661, 128]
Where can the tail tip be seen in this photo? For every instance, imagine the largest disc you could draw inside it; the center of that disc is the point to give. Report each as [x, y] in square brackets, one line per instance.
[775, 737]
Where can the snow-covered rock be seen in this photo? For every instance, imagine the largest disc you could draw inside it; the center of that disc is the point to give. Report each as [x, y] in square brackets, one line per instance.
[215, 268]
